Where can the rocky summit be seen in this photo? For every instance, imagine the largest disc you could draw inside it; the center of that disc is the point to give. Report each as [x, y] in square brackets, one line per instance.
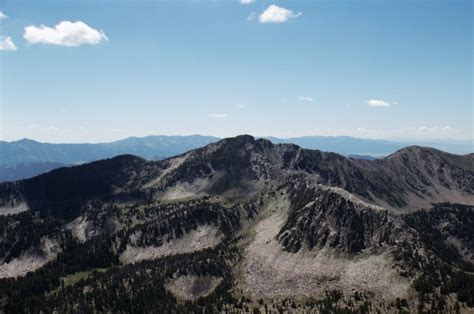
[242, 225]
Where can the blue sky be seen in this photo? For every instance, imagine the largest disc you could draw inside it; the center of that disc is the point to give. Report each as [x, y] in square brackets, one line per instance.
[375, 69]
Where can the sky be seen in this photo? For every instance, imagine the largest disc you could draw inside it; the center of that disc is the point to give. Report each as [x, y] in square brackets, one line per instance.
[95, 71]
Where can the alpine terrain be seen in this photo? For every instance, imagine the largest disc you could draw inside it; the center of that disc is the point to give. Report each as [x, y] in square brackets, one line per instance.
[242, 225]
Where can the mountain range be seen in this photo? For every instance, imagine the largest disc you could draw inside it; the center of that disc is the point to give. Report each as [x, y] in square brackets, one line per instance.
[26, 158]
[241, 225]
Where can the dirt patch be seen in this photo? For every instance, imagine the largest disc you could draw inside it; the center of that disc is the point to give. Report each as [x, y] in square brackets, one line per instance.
[192, 287]
[174, 163]
[186, 189]
[30, 260]
[203, 237]
[12, 210]
[79, 228]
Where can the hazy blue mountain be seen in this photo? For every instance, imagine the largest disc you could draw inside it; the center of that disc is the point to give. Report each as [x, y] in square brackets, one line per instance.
[149, 147]
[347, 145]
[26, 170]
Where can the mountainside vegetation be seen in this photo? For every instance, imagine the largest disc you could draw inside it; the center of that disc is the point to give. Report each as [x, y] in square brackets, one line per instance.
[242, 225]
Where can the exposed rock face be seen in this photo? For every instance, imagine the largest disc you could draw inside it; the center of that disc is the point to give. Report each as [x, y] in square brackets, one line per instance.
[329, 219]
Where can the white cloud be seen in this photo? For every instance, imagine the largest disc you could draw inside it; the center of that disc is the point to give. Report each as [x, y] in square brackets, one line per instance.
[432, 129]
[217, 115]
[66, 33]
[276, 14]
[378, 103]
[306, 98]
[283, 99]
[6, 43]
[246, 1]
[240, 106]
[2, 15]
[53, 128]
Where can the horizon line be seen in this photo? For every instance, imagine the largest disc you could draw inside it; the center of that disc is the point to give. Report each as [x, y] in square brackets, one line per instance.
[388, 139]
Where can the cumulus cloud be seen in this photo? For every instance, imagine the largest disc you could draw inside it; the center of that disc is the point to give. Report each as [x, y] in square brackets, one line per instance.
[276, 14]
[247, 1]
[2, 15]
[378, 103]
[306, 98]
[66, 33]
[6, 43]
[217, 115]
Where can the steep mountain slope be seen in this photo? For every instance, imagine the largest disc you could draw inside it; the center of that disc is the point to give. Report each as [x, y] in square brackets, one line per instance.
[242, 224]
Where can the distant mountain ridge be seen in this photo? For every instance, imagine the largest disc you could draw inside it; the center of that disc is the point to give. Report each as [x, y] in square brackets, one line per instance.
[347, 145]
[148, 147]
[25, 158]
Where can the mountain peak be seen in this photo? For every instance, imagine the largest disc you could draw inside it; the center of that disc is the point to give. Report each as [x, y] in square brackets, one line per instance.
[26, 141]
[242, 138]
[415, 150]
[237, 141]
